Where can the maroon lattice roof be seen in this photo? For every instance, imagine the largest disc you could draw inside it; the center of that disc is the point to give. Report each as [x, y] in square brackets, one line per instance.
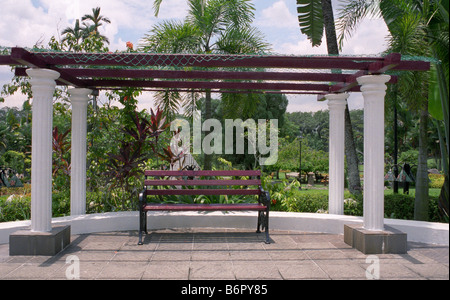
[218, 73]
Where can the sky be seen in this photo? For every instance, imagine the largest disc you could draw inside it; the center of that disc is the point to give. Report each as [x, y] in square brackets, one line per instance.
[27, 22]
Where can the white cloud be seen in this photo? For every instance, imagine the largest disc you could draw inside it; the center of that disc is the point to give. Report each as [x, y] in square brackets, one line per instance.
[300, 48]
[277, 16]
[305, 103]
[369, 38]
[23, 24]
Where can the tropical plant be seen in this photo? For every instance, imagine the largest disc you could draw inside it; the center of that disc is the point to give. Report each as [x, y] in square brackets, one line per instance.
[73, 36]
[211, 26]
[86, 37]
[97, 20]
[418, 27]
[61, 147]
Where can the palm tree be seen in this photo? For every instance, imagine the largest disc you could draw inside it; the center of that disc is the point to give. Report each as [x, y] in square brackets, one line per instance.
[418, 27]
[315, 16]
[211, 26]
[97, 20]
[73, 35]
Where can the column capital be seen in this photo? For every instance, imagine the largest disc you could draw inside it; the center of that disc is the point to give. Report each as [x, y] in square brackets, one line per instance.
[337, 96]
[373, 83]
[43, 73]
[79, 95]
[42, 79]
[337, 101]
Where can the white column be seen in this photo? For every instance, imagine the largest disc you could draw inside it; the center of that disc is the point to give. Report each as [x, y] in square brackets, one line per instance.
[373, 88]
[42, 86]
[336, 104]
[79, 98]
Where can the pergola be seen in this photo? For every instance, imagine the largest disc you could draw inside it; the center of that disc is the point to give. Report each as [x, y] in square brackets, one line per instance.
[331, 78]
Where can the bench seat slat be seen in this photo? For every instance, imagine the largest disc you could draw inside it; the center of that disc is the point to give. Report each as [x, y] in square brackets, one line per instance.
[203, 192]
[204, 173]
[188, 182]
[204, 207]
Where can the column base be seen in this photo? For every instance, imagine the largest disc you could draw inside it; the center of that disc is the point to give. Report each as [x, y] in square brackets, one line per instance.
[387, 241]
[28, 243]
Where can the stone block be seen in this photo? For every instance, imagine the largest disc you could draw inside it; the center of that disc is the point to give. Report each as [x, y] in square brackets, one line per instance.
[28, 243]
[387, 241]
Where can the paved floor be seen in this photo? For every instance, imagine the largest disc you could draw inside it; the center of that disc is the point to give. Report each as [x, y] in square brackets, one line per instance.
[223, 254]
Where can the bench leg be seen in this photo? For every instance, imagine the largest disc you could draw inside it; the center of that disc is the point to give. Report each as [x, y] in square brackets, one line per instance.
[267, 241]
[259, 222]
[263, 221]
[142, 225]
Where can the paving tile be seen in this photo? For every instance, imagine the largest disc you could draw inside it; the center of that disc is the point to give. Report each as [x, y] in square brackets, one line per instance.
[87, 270]
[97, 255]
[123, 270]
[325, 254]
[249, 255]
[343, 271]
[33, 271]
[287, 254]
[316, 246]
[297, 270]
[133, 256]
[396, 270]
[223, 254]
[211, 270]
[431, 271]
[167, 270]
[255, 270]
[167, 255]
[210, 255]
[6, 268]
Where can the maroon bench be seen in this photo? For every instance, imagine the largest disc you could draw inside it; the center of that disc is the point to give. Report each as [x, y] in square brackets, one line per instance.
[165, 183]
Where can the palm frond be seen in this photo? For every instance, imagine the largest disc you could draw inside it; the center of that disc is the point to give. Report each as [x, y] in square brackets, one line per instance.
[242, 40]
[171, 37]
[169, 102]
[351, 13]
[310, 18]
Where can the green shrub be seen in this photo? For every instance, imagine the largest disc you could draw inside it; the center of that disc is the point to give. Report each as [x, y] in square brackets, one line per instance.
[61, 203]
[436, 180]
[305, 201]
[401, 206]
[25, 190]
[316, 201]
[15, 208]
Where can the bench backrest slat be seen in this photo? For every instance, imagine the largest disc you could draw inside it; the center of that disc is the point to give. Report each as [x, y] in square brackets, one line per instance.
[203, 192]
[170, 179]
[204, 173]
[200, 182]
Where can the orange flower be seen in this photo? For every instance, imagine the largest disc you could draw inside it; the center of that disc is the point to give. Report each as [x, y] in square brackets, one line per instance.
[130, 45]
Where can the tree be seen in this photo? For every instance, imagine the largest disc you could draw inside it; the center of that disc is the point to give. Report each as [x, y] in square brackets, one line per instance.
[73, 36]
[314, 17]
[97, 19]
[418, 27]
[211, 26]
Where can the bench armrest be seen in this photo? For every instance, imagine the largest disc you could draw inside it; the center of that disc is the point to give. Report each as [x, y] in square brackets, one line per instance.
[264, 197]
